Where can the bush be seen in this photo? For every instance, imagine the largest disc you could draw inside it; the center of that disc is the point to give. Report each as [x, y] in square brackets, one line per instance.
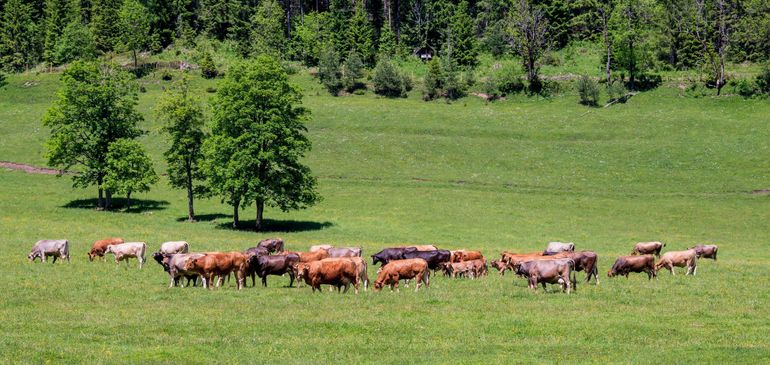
[616, 90]
[208, 68]
[432, 83]
[763, 80]
[211, 90]
[166, 76]
[508, 82]
[387, 80]
[329, 71]
[489, 87]
[745, 88]
[588, 89]
[646, 82]
[353, 73]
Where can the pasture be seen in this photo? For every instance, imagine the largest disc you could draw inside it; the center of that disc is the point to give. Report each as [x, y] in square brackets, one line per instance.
[510, 175]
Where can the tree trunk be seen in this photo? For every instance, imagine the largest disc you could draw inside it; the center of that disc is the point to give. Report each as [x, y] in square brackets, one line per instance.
[190, 210]
[128, 201]
[608, 44]
[108, 202]
[136, 63]
[631, 66]
[100, 201]
[236, 203]
[260, 210]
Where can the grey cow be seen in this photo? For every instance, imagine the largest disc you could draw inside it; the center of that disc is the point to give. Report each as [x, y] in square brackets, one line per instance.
[556, 247]
[174, 265]
[55, 248]
[345, 252]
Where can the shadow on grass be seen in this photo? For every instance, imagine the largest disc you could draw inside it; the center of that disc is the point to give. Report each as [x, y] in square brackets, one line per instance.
[119, 204]
[205, 217]
[271, 225]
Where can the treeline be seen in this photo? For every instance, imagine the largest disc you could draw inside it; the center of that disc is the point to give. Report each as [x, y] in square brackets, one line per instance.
[639, 34]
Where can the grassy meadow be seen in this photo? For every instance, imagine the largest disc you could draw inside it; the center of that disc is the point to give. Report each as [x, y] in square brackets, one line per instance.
[509, 175]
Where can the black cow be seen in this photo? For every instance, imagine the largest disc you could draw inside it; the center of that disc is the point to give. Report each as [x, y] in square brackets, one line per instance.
[388, 254]
[271, 265]
[258, 251]
[434, 258]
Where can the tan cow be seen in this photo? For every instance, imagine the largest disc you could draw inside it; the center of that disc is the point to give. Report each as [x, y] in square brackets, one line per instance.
[465, 255]
[678, 258]
[648, 248]
[396, 270]
[313, 256]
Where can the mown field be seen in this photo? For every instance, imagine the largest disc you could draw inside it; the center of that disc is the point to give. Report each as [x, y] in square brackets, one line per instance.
[508, 175]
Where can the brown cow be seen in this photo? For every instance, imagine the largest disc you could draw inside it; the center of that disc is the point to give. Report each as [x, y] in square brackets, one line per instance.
[500, 266]
[219, 264]
[464, 255]
[464, 268]
[585, 261]
[552, 271]
[396, 270]
[313, 256]
[334, 271]
[271, 244]
[98, 248]
[679, 258]
[512, 259]
[628, 264]
[648, 248]
[706, 251]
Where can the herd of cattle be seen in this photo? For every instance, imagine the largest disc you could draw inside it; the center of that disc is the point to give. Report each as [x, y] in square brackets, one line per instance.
[343, 266]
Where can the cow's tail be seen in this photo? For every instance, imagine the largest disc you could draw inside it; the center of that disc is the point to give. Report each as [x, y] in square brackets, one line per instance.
[574, 281]
[67, 249]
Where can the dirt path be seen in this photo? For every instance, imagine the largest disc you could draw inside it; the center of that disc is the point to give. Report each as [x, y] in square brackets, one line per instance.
[29, 168]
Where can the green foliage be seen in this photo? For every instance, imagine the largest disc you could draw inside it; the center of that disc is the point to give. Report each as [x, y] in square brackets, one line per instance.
[267, 29]
[308, 37]
[184, 122]
[632, 28]
[135, 26]
[763, 80]
[616, 90]
[388, 44]
[94, 108]
[495, 39]
[329, 72]
[19, 43]
[508, 82]
[360, 35]
[388, 81]
[106, 23]
[433, 81]
[208, 68]
[463, 36]
[529, 32]
[3, 81]
[353, 73]
[751, 32]
[259, 140]
[76, 43]
[129, 169]
[58, 14]
[588, 89]
[745, 88]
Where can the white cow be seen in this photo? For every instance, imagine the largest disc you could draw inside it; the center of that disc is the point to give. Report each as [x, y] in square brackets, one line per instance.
[124, 251]
[319, 247]
[174, 247]
[55, 248]
[556, 247]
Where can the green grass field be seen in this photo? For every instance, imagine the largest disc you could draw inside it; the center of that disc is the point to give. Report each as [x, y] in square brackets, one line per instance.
[510, 175]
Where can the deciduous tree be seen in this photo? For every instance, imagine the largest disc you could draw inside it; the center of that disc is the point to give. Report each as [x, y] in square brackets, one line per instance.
[129, 169]
[135, 27]
[528, 29]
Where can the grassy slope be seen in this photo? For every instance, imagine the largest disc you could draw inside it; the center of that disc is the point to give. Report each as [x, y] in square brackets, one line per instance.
[509, 175]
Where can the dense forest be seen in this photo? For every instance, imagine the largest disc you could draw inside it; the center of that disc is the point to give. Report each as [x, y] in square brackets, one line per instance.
[638, 35]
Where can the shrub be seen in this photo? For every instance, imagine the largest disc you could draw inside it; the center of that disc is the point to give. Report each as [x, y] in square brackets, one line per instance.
[432, 83]
[616, 90]
[588, 89]
[763, 80]
[211, 90]
[353, 73]
[508, 82]
[489, 87]
[387, 80]
[208, 68]
[329, 71]
[647, 82]
[166, 76]
[745, 88]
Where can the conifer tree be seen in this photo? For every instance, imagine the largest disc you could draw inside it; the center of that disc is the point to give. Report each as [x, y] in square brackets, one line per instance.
[19, 48]
[388, 46]
[361, 36]
[267, 29]
[105, 23]
[463, 36]
[58, 14]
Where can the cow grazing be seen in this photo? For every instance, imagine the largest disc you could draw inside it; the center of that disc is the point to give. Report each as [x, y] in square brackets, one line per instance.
[361, 269]
[219, 264]
[345, 252]
[706, 251]
[453, 269]
[585, 261]
[628, 264]
[396, 270]
[500, 266]
[648, 248]
[434, 258]
[465, 255]
[320, 247]
[313, 256]
[124, 251]
[554, 248]
[557, 271]
[173, 264]
[512, 259]
[678, 258]
[174, 247]
[393, 253]
[266, 265]
[98, 248]
[272, 244]
[45, 248]
[338, 272]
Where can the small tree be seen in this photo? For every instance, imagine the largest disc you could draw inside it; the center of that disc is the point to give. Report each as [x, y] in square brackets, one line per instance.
[588, 89]
[762, 81]
[94, 108]
[129, 169]
[58, 14]
[258, 140]
[76, 43]
[388, 42]
[361, 35]
[353, 73]
[135, 24]
[387, 80]
[267, 29]
[184, 123]
[106, 23]
[208, 68]
[329, 71]
[463, 36]
[528, 29]
[433, 81]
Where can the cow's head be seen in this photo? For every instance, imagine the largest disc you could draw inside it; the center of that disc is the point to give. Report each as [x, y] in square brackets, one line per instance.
[33, 255]
[190, 263]
[376, 259]
[612, 272]
[91, 255]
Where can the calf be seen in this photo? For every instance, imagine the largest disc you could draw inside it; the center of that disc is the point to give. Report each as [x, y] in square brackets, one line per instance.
[395, 270]
[648, 248]
[344, 252]
[434, 258]
[219, 264]
[628, 264]
[272, 244]
[173, 264]
[453, 269]
[272, 265]
[500, 266]
[393, 253]
[124, 251]
[556, 247]
[706, 251]
[585, 261]
[98, 248]
[338, 272]
[319, 247]
[313, 256]
[463, 255]
[45, 248]
[678, 258]
[556, 271]
[174, 247]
